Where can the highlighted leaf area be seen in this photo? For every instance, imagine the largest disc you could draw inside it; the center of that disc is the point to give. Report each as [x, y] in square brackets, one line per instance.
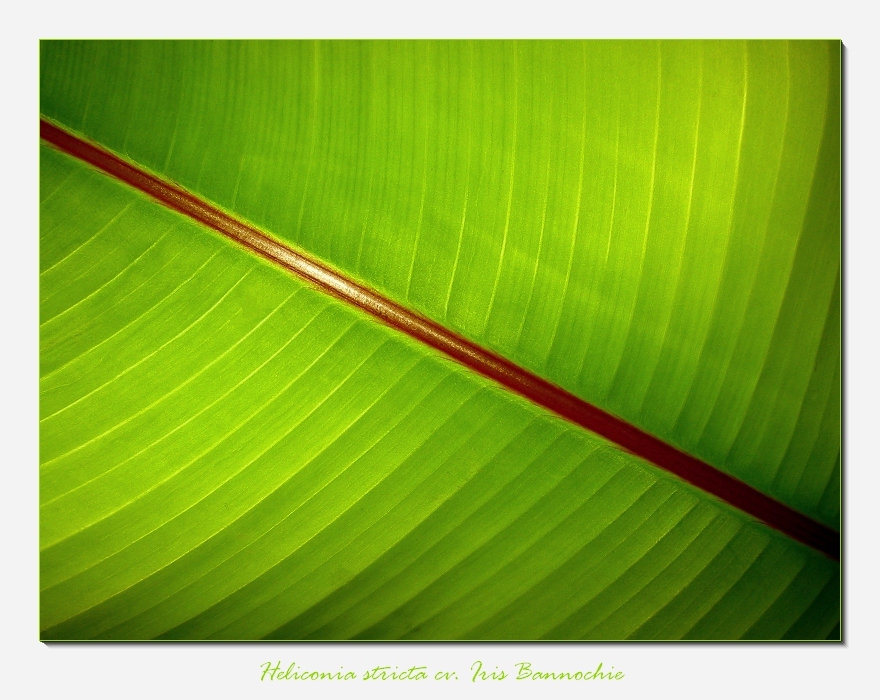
[227, 453]
[653, 226]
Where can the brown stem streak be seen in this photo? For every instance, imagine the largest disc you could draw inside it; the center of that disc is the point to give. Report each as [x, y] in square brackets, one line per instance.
[511, 376]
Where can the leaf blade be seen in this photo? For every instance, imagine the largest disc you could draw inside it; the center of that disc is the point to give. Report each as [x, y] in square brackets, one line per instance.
[179, 564]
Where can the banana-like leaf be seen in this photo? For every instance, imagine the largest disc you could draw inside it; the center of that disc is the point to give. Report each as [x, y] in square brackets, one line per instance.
[227, 453]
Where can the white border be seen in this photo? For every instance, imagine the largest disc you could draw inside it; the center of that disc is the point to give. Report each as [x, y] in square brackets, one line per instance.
[32, 669]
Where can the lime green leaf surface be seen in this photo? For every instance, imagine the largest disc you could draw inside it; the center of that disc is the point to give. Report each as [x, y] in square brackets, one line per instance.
[651, 225]
[227, 453]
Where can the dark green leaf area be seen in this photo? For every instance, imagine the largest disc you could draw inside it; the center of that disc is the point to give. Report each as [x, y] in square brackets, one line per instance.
[228, 454]
[654, 226]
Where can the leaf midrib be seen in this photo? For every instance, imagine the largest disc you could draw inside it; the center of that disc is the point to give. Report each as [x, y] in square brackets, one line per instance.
[512, 377]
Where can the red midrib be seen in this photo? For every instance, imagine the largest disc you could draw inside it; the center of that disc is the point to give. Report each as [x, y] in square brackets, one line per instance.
[702, 475]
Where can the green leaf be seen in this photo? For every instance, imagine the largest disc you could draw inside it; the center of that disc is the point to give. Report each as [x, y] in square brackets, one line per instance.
[227, 453]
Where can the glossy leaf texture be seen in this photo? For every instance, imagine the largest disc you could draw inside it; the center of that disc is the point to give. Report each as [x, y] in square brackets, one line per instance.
[654, 226]
[229, 454]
